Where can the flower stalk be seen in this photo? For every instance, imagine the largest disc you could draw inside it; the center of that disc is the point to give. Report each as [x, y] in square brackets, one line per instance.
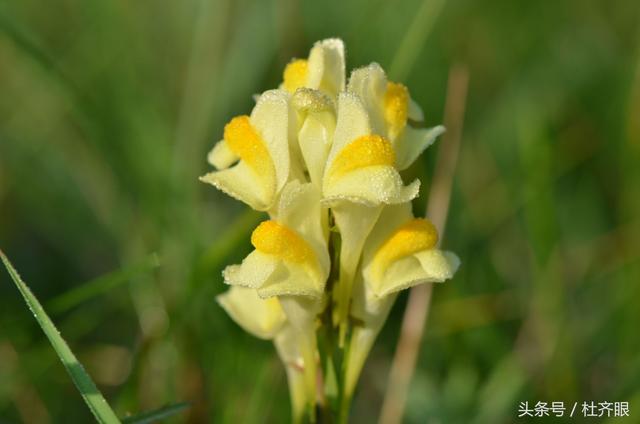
[322, 157]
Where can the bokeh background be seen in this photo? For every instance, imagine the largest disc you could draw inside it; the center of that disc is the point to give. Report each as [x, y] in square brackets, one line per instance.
[107, 111]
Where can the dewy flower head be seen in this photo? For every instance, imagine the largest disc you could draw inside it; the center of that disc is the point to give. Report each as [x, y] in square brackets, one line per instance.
[323, 160]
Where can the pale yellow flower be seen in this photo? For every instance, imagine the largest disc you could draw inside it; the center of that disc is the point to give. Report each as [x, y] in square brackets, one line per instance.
[392, 112]
[261, 144]
[361, 164]
[290, 256]
[401, 252]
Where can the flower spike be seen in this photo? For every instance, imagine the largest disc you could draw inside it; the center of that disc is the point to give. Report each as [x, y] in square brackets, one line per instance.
[323, 158]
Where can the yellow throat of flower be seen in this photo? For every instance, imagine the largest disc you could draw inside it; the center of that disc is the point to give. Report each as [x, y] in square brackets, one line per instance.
[367, 150]
[275, 239]
[396, 107]
[243, 140]
[412, 237]
[295, 75]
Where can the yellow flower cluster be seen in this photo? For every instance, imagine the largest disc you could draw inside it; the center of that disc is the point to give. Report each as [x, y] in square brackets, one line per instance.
[321, 155]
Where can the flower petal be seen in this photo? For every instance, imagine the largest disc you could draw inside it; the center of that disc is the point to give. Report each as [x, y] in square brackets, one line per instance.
[255, 269]
[287, 346]
[295, 75]
[271, 276]
[438, 265]
[272, 118]
[391, 218]
[299, 208]
[291, 279]
[301, 312]
[396, 109]
[352, 123]
[262, 143]
[241, 183]
[370, 85]
[324, 70]
[360, 165]
[221, 156]
[327, 66]
[316, 133]
[261, 317]
[355, 222]
[390, 106]
[290, 256]
[367, 307]
[415, 111]
[370, 186]
[413, 142]
[315, 142]
[364, 151]
[429, 266]
[400, 253]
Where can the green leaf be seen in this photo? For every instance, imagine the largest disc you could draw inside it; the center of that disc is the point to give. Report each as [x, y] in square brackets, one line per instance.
[157, 414]
[100, 285]
[92, 396]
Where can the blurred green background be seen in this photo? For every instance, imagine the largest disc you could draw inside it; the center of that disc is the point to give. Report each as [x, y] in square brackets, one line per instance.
[107, 111]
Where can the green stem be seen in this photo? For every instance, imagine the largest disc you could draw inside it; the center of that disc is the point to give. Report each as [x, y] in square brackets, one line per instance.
[345, 406]
[344, 393]
[344, 298]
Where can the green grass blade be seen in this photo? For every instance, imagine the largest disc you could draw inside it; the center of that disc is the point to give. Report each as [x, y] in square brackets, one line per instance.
[156, 414]
[92, 396]
[414, 39]
[100, 285]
